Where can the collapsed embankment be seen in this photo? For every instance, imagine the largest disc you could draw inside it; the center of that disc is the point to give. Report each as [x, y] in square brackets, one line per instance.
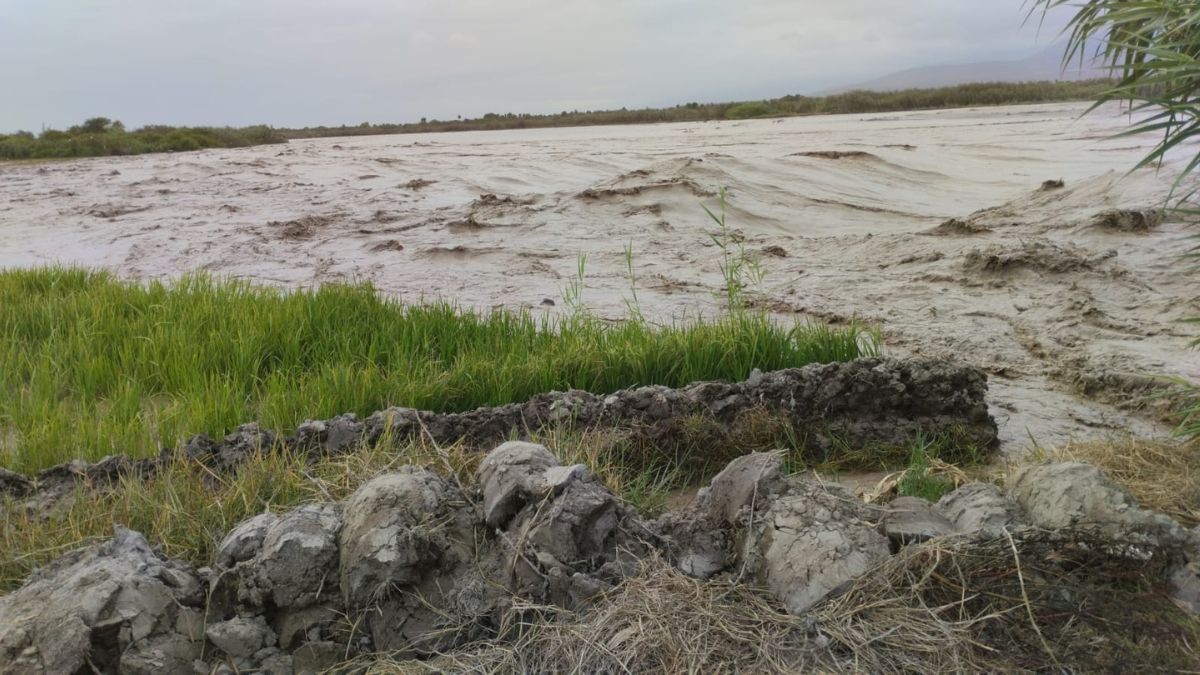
[869, 403]
[537, 566]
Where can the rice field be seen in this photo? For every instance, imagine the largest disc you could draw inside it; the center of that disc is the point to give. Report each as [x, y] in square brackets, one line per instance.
[91, 365]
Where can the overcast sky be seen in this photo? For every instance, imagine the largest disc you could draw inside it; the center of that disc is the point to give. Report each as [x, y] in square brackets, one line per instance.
[302, 62]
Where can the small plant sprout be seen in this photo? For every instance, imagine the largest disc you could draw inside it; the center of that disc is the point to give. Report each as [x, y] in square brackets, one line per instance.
[739, 269]
[631, 303]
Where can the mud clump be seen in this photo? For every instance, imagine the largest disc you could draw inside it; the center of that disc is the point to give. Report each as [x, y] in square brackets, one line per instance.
[417, 184]
[384, 217]
[491, 199]
[617, 190]
[1051, 185]
[14, 484]
[301, 228]
[389, 245]
[114, 210]
[1127, 220]
[834, 154]
[1040, 256]
[980, 508]
[1074, 495]
[957, 228]
[909, 520]
[115, 607]
[802, 539]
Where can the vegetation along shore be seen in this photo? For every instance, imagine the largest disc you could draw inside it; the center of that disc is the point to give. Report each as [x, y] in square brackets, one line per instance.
[101, 137]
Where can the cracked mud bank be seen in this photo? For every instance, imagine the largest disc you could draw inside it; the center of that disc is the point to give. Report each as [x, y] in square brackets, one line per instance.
[868, 403]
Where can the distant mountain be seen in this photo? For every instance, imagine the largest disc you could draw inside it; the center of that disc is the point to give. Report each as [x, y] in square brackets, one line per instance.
[1044, 65]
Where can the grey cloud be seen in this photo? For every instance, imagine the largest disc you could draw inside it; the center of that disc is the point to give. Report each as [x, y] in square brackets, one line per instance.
[296, 62]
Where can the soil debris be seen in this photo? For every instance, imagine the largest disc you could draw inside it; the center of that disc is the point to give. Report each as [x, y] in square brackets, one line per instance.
[537, 565]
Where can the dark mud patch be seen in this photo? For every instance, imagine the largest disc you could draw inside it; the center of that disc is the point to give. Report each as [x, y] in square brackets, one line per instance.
[957, 228]
[489, 199]
[1051, 185]
[870, 403]
[418, 184]
[385, 217]
[643, 210]
[389, 245]
[835, 154]
[1040, 256]
[1127, 220]
[457, 253]
[114, 210]
[687, 184]
[471, 224]
[300, 229]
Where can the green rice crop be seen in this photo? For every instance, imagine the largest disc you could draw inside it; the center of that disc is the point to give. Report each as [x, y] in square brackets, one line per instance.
[91, 365]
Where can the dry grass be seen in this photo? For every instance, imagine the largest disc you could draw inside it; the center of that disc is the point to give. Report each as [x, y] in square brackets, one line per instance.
[1034, 601]
[658, 622]
[186, 509]
[1163, 476]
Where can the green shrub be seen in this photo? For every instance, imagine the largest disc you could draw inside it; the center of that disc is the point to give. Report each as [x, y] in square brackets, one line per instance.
[100, 136]
[744, 111]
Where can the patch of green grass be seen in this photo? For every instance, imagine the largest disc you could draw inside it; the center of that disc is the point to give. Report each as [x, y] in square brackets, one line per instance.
[92, 366]
[920, 480]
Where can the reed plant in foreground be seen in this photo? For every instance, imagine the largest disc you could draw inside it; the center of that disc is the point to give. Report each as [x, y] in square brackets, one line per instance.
[91, 365]
[1152, 48]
